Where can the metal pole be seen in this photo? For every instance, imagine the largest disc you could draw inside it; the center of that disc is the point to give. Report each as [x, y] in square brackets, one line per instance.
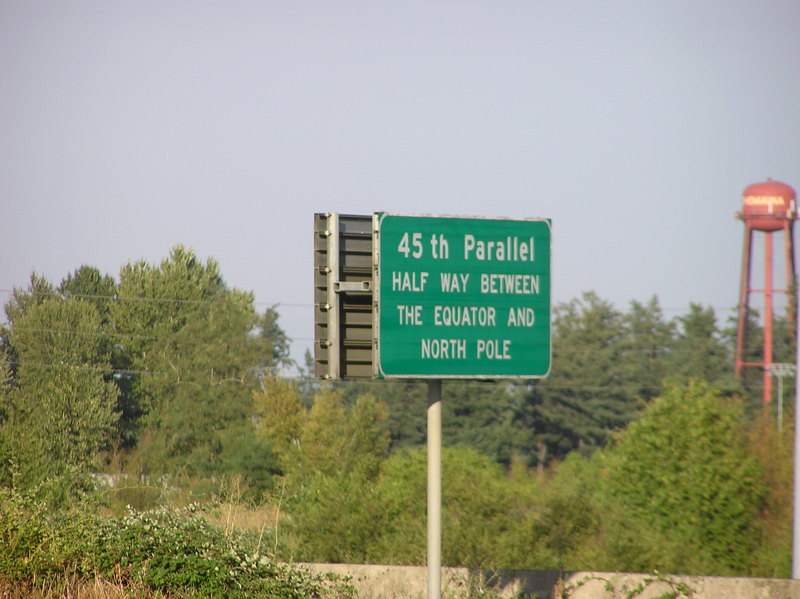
[796, 519]
[780, 400]
[768, 316]
[434, 489]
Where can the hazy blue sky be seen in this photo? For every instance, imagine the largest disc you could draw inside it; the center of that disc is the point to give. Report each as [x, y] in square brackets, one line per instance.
[128, 127]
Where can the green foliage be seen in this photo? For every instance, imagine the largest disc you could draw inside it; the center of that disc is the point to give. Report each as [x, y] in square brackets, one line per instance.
[170, 551]
[481, 415]
[346, 516]
[700, 351]
[171, 375]
[329, 437]
[589, 394]
[649, 343]
[774, 450]
[683, 470]
[280, 415]
[39, 289]
[188, 341]
[565, 523]
[61, 412]
[5, 382]
[274, 340]
[406, 401]
[89, 284]
[24, 533]
[334, 518]
[155, 373]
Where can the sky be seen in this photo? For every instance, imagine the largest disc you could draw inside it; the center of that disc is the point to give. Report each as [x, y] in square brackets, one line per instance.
[127, 127]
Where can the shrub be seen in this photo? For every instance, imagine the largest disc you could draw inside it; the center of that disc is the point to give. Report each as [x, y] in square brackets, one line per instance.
[167, 550]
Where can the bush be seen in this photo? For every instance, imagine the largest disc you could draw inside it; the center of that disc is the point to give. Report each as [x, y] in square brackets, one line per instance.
[166, 550]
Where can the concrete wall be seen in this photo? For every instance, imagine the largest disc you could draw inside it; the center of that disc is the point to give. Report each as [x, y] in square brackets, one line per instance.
[410, 582]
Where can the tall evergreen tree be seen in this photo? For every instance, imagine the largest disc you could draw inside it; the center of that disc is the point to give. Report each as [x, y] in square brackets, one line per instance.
[751, 380]
[480, 415]
[274, 339]
[647, 347]
[589, 394]
[701, 351]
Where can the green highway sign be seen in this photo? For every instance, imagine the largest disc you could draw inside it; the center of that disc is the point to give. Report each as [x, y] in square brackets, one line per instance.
[461, 297]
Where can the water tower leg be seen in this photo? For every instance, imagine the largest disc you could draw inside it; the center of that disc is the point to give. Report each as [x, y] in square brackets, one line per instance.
[768, 316]
[744, 294]
[791, 282]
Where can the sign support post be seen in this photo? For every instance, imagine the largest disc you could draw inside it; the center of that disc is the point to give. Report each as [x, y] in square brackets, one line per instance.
[434, 488]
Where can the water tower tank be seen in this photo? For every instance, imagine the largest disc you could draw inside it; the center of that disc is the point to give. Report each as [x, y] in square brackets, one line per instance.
[767, 206]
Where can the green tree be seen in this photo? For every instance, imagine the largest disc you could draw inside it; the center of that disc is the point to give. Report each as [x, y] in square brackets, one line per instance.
[88, 284]
[406, 401]
[5, 379]
[39, 289]
[589, 394]
[481, 510]
[647, 347]
[193, 360]
[683, 471]
[274, 340]
[335, 437]
[280, 415]
[61, 412]
[700, 351]
[481, 415]
[331, 474]
[774, 450]
[751, 380]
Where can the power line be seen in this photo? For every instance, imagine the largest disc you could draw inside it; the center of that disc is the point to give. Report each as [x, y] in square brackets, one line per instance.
[92, 333]
[273, 304]
[545, 385]
[134, 298]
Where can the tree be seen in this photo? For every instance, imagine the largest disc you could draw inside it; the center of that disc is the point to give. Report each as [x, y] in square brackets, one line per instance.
[280, 415]
[193, 362]
[39, 289]
[61, 411]
[700, 351]
[774, 450]
[88, 284]
[589, 394]
[751, 381]
[480, 415]
[480, 506]
[331, 472]
[276, 343]
[647, 347]
[406, 402]
[5, 380]
[683, 471]
[335, 437]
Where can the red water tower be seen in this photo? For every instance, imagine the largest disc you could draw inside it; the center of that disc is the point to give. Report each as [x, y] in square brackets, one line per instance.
[768, 207]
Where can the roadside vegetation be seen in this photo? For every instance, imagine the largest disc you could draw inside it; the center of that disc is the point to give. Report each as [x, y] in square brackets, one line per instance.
[150, 446]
